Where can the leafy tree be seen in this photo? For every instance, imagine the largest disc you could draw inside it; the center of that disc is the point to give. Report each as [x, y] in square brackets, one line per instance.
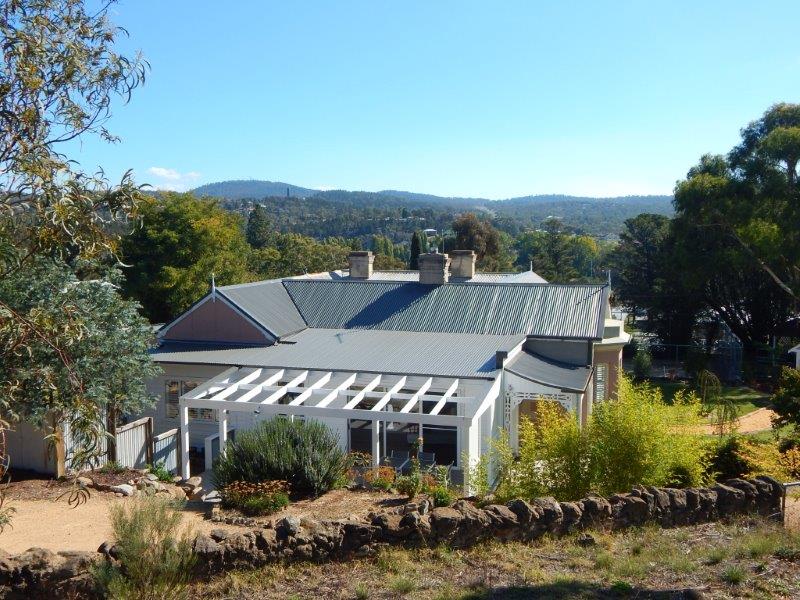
[259, 227]
[493, 250]
[722, 409]
[109, 355]
[786, 399]
[749, 202]
[61, 74]
[585, 256]
[181, 242]
[293, 254]
[638, 260]
[555, 256]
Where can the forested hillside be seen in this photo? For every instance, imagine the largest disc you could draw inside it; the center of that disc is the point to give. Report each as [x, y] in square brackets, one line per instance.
[396, 214]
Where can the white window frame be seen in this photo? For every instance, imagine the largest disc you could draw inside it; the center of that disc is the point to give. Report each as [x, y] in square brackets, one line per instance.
[601, 382]
[170, 406]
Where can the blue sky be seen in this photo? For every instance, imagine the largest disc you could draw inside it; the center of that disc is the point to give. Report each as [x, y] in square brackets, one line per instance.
[491, 99]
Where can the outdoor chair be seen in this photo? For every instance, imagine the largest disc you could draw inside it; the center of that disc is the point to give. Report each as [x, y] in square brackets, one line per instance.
[427, 460]
[399, 461]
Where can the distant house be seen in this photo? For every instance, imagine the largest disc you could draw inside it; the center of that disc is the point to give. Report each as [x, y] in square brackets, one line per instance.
[383, 358]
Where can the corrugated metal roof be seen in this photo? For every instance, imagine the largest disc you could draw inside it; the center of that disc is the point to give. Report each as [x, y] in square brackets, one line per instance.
[544, 310]
[391, 352]
[539, 369]
[268, 303]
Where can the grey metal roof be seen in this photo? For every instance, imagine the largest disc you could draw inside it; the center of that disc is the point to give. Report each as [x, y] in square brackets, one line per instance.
[539, 369]
[391, 352]
[268, 303]
[543, 310]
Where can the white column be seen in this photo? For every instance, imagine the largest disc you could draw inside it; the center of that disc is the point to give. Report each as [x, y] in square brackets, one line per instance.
[465, 456]
[184, 418]
[223, 430]
[376, 444]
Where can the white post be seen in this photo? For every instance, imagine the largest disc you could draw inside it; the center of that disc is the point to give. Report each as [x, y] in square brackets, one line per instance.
[466, 456]
[376, 444]
[184, 418]
[223, 430]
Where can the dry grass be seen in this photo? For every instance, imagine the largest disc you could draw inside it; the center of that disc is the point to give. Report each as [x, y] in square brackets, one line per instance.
[745, 559]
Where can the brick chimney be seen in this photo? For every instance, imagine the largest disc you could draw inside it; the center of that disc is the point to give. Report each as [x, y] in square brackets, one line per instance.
[434, 268]
[360, 264]
[462, 263]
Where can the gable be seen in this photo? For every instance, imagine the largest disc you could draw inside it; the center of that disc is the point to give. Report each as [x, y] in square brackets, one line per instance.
[215, 320]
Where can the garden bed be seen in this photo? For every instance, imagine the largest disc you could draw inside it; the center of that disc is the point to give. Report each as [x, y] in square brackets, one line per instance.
[336, 504]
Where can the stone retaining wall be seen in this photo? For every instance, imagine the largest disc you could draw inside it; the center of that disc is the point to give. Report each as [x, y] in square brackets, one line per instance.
[460, 525]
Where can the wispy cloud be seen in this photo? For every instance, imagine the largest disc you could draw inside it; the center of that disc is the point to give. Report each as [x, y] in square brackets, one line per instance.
[172, 180]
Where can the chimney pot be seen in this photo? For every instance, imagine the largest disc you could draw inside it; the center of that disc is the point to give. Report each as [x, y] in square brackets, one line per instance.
[463, 263]
[360, 264]
[434, 268]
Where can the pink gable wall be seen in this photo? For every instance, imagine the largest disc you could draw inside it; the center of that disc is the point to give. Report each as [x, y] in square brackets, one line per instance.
[216, 322]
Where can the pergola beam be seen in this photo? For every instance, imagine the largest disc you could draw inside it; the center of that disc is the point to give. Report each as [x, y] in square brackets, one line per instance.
[360, 395]
[440, 404]
[387, 397]
[234, 387]
[314, 386]
[215, 382]
[334, 393]
[258, 388]
[415, 398]
[282, 391]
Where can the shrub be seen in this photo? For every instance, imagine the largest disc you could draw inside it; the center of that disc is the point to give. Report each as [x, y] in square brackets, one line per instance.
[738, 456]
[642, 363]
[255, 499]
[380, 478]
[633, 439]
[112, 467]
[155, 552]
[441, 496]
[410, 485]
[160, 471]
[306, 453]
[786, 399]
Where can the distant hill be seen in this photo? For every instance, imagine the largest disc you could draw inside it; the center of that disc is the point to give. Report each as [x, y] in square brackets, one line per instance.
[396, 214]
[255, 189]
[242, 189]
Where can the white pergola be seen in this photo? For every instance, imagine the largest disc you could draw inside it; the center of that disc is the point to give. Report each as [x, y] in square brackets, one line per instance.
[334, 394]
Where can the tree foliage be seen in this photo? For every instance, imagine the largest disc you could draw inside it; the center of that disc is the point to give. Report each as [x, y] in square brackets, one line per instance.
[259, 227]
[59, 78]
[181, 242]
[491, 247]
[786, 399]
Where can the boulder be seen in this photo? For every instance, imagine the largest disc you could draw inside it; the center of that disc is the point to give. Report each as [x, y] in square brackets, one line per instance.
[124, 489]
[552, 516]
[503, 522]
[571, 516]
[445, 521]
[730, 500]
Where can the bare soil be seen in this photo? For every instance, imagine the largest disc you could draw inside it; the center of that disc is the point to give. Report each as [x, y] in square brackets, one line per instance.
[758, 420]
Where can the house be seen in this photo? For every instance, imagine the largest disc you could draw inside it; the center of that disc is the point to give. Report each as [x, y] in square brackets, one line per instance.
[445, 353]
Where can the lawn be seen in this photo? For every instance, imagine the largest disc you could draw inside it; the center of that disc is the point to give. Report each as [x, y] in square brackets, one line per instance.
[744, 559]
[747, 399]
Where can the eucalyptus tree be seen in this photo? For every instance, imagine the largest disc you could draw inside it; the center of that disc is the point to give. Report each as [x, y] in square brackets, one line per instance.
[59, 77]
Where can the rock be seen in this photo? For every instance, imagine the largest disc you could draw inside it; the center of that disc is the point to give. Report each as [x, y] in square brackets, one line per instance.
[85, 482]
[204, 544]
[219, 535]
[571, 515]
[551, 514]
[177, 479]
[729, 500]
[586, 539]
[628, 510]
[194, 481]
[289, 526]
[109, 549]
[124, 489]
[212, 497]
[525, 512]
[444, 522]
[503, 522]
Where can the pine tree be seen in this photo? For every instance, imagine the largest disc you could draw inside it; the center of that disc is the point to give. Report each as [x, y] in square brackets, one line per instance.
[259, 227]
[416, 250]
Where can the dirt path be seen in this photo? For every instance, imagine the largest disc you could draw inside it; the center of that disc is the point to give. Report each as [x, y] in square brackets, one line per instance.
[758, 420]
[57, 526]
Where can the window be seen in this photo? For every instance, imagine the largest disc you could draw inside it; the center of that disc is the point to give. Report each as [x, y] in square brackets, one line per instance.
[173, 390]
[600, 377]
